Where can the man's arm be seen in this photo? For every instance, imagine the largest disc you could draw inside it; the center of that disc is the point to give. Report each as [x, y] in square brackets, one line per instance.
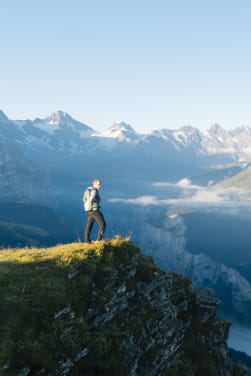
[93, 194]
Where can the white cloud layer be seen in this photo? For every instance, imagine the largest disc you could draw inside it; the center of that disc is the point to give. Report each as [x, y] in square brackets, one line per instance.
[190, 195]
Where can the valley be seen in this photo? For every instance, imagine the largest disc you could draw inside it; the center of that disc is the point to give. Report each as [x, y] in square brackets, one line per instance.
[182, 195]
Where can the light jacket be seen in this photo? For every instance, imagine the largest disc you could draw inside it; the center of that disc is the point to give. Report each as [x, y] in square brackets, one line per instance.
[95, 198]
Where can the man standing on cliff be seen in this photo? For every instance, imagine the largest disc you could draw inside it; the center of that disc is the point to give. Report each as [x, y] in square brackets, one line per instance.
[92, 206]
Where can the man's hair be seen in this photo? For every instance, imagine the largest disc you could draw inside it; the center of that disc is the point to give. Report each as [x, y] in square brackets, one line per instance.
[97, 180]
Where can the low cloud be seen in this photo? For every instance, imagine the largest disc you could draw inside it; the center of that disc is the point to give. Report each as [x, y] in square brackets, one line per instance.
[141, 200]
[190, 195]
[183, 183]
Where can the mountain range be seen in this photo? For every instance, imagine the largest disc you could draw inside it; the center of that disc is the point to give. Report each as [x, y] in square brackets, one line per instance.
[60, 126]
[62, 148]
[49, 162]
[59, 132]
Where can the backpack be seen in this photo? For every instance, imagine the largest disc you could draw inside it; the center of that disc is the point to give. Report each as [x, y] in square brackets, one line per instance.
[87, 199]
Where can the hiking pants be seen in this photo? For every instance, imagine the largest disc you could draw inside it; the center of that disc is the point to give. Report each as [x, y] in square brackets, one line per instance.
[94, 215]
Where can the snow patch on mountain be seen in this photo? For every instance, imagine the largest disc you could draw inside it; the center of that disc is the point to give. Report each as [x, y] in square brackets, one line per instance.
[216, 140]
[187, 137]
[3, 117]
[122, 132]
[47, 127]
[59, 121]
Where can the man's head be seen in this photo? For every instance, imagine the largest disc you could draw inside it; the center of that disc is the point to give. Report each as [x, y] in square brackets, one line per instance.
[97, 183]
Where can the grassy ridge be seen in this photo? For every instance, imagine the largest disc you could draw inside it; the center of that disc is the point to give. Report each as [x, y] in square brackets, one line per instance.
[102, 309]
[44, 297]
[241, 180]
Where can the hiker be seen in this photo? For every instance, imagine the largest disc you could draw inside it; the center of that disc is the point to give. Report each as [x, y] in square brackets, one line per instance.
[92, 205]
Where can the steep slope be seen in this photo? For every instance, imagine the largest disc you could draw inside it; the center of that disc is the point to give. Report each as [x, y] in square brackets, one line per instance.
[238, 185]
[167, 245]
[242, 180]
[103, 309]
[20, 178]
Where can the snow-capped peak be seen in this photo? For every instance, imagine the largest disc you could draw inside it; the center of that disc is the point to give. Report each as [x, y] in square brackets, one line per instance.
[217, 130]
[61, 120]
[121, 126]
[58, 118]
[121, 131]
[3, 117]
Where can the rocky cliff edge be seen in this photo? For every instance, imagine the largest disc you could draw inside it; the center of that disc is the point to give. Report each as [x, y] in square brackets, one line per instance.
[103, 309]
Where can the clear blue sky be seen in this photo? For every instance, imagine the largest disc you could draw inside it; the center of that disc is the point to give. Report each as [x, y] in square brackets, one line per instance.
[151, 63]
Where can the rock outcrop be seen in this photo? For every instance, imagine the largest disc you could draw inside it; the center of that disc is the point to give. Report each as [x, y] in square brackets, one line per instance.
[103, 309]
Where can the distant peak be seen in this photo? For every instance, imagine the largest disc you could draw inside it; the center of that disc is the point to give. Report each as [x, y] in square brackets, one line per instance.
[189, 128]
[216, 127]
[58, 117]
[3, 116]
[121, 126]
[122, 132]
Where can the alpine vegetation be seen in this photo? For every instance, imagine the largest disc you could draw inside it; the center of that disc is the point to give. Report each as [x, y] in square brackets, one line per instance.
[105, 308]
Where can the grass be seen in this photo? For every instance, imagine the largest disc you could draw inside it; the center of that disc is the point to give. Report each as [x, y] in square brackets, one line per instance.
[45, 293]
[241, 180]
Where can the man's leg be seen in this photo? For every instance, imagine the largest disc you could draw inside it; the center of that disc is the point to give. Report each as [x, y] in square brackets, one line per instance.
[88, 227]
[101, 221]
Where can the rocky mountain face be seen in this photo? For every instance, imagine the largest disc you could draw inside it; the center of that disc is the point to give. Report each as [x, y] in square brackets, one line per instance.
[59, 140]
[103, 309]
[168, 248]
[64, 149]
[59, 132]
